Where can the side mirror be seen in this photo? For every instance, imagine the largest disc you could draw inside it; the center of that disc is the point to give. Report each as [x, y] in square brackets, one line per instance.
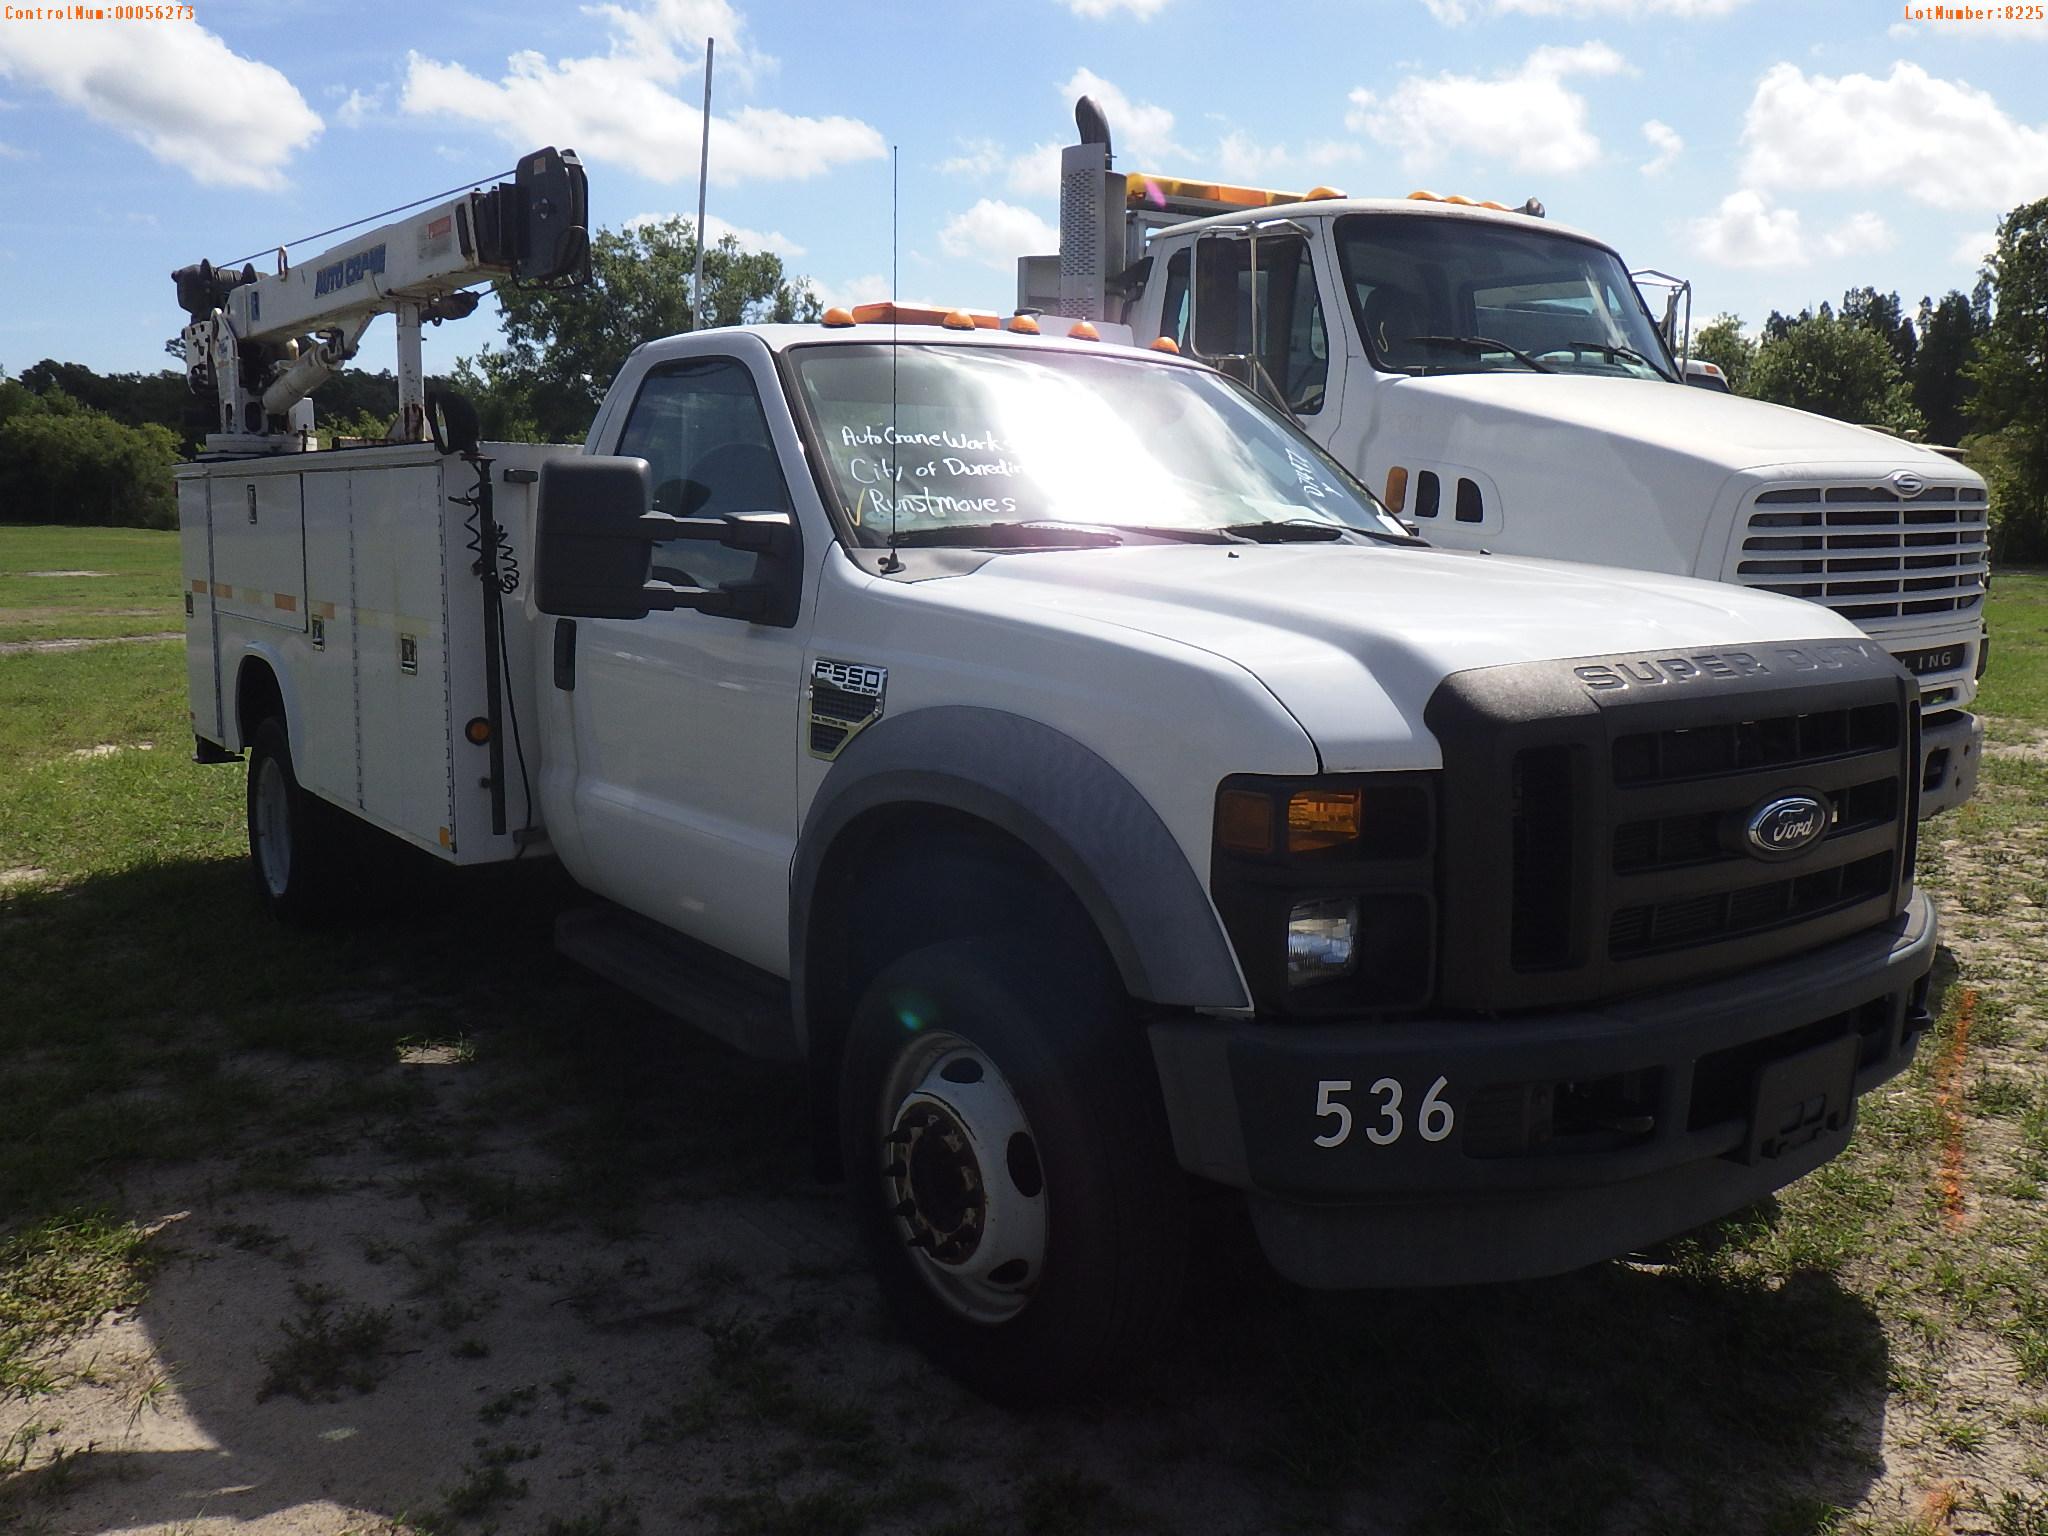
[594, 546]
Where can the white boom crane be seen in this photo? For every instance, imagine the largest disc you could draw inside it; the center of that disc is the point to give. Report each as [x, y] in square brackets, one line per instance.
[260, 343]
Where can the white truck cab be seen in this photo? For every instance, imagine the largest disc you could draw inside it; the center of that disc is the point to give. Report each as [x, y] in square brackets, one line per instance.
[1497, 380]
[1054, 750]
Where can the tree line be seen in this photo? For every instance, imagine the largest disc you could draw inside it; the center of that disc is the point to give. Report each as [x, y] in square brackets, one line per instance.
[1967, 371]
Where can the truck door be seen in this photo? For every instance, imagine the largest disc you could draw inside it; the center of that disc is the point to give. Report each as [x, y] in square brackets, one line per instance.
[1263, 301]
[685, 723]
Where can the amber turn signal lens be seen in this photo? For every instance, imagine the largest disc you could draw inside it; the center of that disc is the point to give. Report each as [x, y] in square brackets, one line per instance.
[1244, 821]
[478, 731]
[1322, 818]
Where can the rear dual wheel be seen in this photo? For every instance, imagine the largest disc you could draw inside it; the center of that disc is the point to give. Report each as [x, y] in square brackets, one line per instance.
[295, 838]
[1010, 1165]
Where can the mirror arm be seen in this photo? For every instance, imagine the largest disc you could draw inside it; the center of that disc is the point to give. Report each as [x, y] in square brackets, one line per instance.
[742, 600]
[773, 535]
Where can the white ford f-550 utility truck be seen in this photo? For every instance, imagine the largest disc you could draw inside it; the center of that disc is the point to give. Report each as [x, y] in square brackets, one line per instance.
[1058, 754]
[1498, 380]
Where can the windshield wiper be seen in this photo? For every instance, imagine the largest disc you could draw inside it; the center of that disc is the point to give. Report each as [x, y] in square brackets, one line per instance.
[1477, 344]
[1043, 533]
[1006, 536]
[1309, 530]
[1609, 349]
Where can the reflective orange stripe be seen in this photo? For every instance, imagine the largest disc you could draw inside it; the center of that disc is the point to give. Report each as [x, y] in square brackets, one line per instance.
[285, 601]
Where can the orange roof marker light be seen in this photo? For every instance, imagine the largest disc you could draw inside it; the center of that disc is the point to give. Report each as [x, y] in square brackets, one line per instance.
[1083, 331]
[885, 313]
[1461, 200]
[1023, 325]
[1142, 190]
[836, 317]
[1166, 344]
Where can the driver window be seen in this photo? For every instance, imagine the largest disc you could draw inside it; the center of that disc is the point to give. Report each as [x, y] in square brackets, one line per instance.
[1293, 341]
[699, 426]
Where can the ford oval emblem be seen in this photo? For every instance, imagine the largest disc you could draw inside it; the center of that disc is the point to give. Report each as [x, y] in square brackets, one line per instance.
[1906, 483]
[1790, 824]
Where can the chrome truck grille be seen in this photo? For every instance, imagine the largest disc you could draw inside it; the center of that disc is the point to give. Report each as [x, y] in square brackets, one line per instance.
[1867, 551]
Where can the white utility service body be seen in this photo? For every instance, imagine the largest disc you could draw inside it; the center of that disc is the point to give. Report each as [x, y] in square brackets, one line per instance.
[1530, 999]
[1598, 460]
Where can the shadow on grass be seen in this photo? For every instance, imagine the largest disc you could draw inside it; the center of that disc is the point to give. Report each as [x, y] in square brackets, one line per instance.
[1622, 1397]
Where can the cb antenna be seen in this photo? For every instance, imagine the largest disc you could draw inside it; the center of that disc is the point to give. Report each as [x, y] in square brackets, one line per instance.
[703, 172]
[893, 562]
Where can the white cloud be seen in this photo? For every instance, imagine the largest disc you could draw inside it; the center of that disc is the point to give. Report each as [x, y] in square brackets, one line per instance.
[1144, 10]
[14, 152]
[179, 92]
[1683, 10]
[1665, 141]
[639, 103]
[750, 239]
[1527, 113]
[857, 290]
[359, 105]
[1455, 13]
[1036, 172]
[1973, 249]
[1942, 142]
[997, 233]
[1857, 235]
[1745, 231]
[978, 158]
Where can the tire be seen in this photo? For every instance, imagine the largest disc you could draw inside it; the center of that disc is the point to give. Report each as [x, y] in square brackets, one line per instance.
[1046, 1270]
[295, 838]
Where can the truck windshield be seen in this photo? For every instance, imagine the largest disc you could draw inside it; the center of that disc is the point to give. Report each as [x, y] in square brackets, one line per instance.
[949, 441]
[1464, 295]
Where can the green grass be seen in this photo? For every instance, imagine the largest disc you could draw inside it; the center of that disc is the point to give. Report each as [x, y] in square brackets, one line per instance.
[2016, 684]
[137, 592]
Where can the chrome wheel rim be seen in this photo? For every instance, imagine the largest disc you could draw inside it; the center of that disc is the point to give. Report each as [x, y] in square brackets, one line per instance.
[962, 1178]
[273, 827]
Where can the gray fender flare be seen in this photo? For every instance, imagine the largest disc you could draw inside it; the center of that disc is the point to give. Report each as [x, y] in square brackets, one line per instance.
[1064, 803]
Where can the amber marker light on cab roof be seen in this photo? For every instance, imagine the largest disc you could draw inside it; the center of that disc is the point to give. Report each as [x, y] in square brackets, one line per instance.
[836, 317]
[1166, 344]
[1083, 331]
[1023, 325]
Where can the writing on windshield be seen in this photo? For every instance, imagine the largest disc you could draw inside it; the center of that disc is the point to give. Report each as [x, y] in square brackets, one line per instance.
[940, 435]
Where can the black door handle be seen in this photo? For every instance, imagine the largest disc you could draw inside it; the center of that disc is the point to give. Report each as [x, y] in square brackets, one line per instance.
[565, 655]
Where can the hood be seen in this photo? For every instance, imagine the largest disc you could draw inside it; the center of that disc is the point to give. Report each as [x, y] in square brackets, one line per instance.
[1732, 432]
[1626, 472]
[1353, 640]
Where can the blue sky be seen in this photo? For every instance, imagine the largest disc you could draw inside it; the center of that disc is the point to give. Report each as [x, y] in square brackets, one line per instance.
[1775, 153]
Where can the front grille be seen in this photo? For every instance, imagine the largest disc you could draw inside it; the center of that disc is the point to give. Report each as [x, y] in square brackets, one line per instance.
[1866, 551]
[1598, 837]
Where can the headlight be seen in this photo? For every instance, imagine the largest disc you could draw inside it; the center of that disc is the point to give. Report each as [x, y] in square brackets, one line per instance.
[1322, 941]
[1327, 887]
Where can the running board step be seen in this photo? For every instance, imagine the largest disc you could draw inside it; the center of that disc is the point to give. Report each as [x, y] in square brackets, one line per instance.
[748, 1009]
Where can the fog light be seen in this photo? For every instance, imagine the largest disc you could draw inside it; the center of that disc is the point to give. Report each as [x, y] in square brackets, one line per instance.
[1322, 941]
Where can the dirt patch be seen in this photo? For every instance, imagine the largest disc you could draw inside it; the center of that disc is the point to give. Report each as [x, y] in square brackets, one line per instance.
[20, 874]
[111, 748]
[19, 647]
[67, 573]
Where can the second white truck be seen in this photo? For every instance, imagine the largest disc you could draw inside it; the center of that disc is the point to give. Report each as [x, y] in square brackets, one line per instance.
[1497, 380]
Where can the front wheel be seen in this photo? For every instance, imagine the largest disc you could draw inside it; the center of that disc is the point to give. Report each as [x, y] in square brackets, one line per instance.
[1009, 1161]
